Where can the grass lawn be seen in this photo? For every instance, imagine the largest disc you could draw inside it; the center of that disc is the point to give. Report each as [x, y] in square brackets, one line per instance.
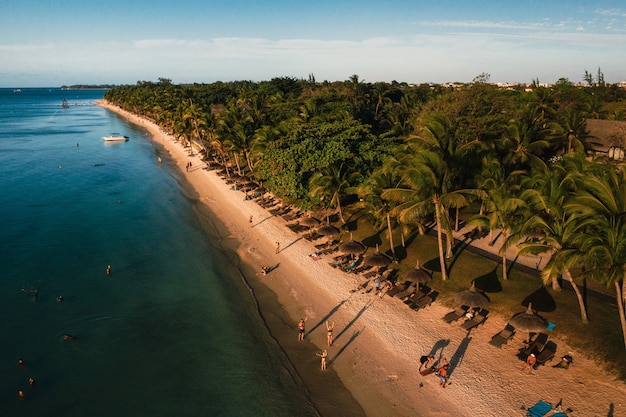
[601, 339]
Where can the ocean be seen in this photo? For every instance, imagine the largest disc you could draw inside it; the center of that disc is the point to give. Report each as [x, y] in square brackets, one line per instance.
[173, 331]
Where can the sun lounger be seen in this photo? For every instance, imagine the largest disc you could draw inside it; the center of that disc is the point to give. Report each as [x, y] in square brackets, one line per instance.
[361, 268]
[412, 298]
[312, 236]
[425, 301]
[539, 410]
[369, 274]
[537, 344]
[547, 353]
[403, 294]
[352, 265]
[332, 249]
[296, 228]
[503, 336]
[399, 288]
[477, 320]
[456, 314]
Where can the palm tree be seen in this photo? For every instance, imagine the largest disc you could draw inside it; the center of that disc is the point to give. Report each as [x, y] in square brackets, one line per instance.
[570, 132]
[503, 209]
[332, 182]
[426, 190]
[600, 206]
[546, 193]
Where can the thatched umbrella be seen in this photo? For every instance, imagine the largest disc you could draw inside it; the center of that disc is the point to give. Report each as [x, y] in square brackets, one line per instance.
[472, 297]
[309, 222]
[528, 321]
[328, 230]
[417, 274]
[377, 259]
[351, 247]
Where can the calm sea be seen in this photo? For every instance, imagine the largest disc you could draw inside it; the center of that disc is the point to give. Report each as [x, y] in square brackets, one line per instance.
[173, 331]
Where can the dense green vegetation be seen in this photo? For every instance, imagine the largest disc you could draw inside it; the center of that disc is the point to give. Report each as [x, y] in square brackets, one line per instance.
[410, 157]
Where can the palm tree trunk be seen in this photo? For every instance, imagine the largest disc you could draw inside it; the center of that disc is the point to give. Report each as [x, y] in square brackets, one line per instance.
[581, 302]
[393, 250]
[505, 272]
[339, 209]
[442, 261]
[620, 306]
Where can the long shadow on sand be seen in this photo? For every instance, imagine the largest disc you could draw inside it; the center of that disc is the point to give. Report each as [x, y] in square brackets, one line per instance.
[356, 334]
[439, 346]
[361, 311]
[291, 244]
[457, 357]
[329, 315]
[262, 221]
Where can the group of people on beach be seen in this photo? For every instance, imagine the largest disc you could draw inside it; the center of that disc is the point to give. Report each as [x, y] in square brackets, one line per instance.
[428, 365]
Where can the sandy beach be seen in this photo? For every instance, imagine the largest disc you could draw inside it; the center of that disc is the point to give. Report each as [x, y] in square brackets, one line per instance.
[377, 341]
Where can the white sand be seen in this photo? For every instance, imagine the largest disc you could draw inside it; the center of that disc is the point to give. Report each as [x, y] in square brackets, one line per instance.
[378, 341]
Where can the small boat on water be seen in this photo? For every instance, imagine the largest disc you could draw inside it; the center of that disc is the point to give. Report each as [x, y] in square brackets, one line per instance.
[115, 137]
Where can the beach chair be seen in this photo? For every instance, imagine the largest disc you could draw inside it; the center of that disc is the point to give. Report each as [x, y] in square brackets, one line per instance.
[503, 336]
[417, 295]
[547, 353]
[539, 410]
[351, 266]
[408, 291]
[456, 314]
[537, 344]
[425, 301]
[399, 288]
[369, 274]
[478, 319]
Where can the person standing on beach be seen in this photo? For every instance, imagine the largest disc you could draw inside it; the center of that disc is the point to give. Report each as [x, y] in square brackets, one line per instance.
[323, 354]
[301, 329]
[250, 221]
[329, 329]
[277, 246]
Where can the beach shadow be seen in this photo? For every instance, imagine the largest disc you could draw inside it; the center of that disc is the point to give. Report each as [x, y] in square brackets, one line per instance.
[289, 245]
[541, 299]
[329, 315]
[439, 346]
[271, 268]
[262, 221]
[372, 241]
[433, 265]
[459, 354]
[489, 282]
[340, 351]
[365, 307]
[611, 408]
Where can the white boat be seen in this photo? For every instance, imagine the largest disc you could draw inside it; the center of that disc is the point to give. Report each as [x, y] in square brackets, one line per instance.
[115, 137]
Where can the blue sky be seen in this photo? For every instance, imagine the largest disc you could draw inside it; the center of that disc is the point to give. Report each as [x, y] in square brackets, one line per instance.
[52, 42]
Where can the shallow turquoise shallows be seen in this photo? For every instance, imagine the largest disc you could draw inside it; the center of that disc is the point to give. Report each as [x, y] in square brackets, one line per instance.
[173, 331]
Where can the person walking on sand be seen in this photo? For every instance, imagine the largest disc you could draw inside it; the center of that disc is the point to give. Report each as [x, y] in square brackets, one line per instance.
[301, 329]
[277, 246]
[250, 221]
[329, 329]
[323, 355]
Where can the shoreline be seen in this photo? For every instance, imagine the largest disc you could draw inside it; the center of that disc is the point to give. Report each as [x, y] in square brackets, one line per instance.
[378, 341]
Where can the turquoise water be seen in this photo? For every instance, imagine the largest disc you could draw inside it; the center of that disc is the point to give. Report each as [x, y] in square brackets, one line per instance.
[173, 331]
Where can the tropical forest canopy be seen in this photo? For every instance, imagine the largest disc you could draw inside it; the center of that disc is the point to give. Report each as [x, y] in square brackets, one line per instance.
[418, 154]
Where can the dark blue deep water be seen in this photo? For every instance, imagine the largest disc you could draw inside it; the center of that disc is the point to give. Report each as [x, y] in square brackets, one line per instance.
[173, 331]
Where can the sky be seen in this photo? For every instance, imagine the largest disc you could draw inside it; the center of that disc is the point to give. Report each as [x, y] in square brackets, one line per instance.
[47, 43]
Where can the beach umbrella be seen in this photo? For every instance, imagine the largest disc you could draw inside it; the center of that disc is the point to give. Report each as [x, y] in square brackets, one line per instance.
[328, 230]
[351, 247]
[471, 297]
[417, 274]
[528, 321]
[377, 259]
[309, 222]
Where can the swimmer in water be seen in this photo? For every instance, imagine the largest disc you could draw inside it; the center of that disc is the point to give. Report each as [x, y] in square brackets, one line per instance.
[69, 337]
